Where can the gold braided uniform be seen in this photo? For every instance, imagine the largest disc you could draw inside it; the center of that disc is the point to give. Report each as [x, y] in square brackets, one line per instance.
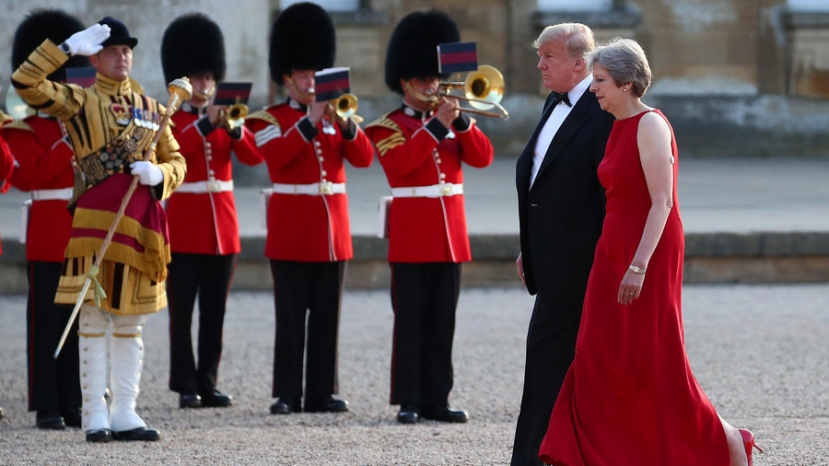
[110, 125]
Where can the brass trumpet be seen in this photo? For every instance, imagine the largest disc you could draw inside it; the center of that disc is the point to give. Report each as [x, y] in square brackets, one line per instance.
[344, 106]
[234, 116]
[482, 88]
[231, 117]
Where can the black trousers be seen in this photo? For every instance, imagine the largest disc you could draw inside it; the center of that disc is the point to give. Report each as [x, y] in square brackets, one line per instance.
[208, 277]
[424, 298]
[307, 297]
[54, 384]
[551, 348]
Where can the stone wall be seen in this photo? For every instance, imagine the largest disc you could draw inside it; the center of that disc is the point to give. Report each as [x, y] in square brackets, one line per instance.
[245, 26]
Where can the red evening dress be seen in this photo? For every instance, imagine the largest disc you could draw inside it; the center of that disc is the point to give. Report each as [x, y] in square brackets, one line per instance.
[630, 398]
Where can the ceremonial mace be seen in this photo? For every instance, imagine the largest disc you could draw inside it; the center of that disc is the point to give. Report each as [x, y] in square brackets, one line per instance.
[180, 90]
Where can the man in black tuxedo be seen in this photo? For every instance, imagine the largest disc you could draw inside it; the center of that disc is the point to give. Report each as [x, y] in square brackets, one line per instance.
[561, 209]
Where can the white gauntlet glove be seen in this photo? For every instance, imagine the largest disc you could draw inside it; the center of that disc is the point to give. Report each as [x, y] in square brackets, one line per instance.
[147, 172]
[87, 42]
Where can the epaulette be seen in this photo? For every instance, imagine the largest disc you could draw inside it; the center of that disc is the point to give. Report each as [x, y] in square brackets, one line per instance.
[265, 116]
[17, 124]
[5, 118]
[385, 122]
[391, 141]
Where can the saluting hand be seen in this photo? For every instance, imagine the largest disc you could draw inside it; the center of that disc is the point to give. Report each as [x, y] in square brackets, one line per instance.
[88, 42]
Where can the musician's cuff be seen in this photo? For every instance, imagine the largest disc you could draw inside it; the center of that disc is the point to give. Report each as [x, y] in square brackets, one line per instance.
[437, 129]
[205, 126]
[307, 129]
[462, 122]
[235, 133]
[351, 131]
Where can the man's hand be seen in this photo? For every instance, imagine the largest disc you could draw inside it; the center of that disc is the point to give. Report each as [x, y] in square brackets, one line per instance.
[447, 111]
[88, 42]
[147, 173]
[519, 267]
[214, 113]
[319, 110]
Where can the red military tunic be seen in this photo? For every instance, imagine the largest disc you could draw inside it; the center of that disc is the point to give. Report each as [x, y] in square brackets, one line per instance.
[6, 163]
[427, 229]
[301, 227]
[201, 213]
[45, 169]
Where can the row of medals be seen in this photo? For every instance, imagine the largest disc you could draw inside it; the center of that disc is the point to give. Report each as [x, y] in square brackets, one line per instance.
[144, 118]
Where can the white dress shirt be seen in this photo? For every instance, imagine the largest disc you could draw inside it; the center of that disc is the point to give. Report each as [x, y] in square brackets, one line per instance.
[553, 123]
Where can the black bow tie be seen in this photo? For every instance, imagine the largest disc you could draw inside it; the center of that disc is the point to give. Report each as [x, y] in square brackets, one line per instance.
[562, 98]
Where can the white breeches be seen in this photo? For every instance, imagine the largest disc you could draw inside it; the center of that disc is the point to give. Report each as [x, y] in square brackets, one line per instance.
[127, 360]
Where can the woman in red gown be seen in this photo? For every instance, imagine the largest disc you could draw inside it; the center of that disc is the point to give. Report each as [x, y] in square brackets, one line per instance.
[630, 398]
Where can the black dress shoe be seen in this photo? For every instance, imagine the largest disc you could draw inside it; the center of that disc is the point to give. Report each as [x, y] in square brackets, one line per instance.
[49, 420]
[98, 435]
[189, 400]
[327, 404]
[286, 406]
[141, 434]
[71, 416]
[216, 399]
[444, 414]
[2, 414]
[408, 414]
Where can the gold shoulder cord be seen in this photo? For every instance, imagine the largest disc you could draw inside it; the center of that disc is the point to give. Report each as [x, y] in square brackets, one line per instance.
[396, 138]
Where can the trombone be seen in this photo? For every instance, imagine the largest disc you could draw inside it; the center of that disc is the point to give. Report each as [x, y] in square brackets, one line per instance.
[482, 88]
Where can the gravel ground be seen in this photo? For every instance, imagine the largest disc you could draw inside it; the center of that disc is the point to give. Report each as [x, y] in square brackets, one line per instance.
[760, 352]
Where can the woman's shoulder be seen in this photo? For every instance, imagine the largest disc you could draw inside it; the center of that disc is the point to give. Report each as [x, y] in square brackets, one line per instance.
[653, 119]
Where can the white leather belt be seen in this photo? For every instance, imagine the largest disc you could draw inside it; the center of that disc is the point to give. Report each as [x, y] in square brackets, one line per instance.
[313, 189]
[63, 194]
[436, 190]
[209, 186]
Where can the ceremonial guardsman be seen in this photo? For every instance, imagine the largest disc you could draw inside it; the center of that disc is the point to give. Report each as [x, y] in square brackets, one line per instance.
[204, 229]
[6, 170]
[6, 161]
[111, 127]
[44, 169]
[422, 145]
[309, 236]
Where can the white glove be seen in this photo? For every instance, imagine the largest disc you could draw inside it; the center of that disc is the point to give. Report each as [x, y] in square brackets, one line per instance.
[88, 42]
[147, 173]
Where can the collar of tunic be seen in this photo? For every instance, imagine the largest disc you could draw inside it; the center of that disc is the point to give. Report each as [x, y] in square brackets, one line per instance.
[109, 86]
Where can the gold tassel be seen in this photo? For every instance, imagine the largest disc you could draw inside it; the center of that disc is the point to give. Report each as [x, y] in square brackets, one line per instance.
[99, 290]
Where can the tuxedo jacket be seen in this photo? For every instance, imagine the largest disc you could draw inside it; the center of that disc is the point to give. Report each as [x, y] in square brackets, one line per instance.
[561, 215]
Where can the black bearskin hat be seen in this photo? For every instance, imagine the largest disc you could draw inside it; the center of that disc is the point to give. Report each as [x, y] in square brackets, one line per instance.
[193, 44]
[302, 38]
[412, 51]
[53, 24]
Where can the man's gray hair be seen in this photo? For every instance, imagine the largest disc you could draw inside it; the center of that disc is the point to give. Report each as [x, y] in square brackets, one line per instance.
[626, 62]
[579, 39]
